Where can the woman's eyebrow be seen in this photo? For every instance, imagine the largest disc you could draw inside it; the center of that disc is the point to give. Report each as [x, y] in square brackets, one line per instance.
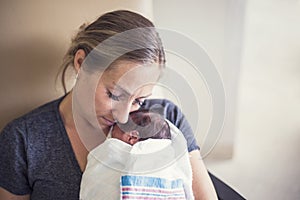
[120, 88]
[145, 96]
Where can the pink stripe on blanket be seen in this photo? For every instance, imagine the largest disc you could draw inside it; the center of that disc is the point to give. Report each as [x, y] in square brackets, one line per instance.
[146, 187]
[151, 198]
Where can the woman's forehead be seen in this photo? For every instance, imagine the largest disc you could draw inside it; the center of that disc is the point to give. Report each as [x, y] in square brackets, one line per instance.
[130, 76]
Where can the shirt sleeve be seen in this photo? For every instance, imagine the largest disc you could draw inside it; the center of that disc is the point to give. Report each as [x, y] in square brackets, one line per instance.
[171, 112]
[13, 162]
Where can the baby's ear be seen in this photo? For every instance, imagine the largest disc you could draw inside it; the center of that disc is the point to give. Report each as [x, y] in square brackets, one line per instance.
[133, 137]
[133, 140]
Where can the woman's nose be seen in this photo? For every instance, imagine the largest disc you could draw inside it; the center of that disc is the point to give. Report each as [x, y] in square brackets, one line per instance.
[121, 112]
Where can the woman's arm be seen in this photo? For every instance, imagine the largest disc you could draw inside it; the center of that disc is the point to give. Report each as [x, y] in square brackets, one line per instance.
[202, 185]
[5, 195]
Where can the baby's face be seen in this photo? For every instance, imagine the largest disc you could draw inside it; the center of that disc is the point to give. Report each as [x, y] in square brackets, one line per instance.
[128, 137]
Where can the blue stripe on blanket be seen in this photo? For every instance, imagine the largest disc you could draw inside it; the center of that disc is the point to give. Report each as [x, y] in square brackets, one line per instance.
[145, 187]
[146, 181]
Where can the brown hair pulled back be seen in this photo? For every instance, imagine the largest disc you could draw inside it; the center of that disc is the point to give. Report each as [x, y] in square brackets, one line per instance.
[108, 25]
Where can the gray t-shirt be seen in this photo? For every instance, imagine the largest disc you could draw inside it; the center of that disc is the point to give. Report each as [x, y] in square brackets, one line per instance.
[36, 156]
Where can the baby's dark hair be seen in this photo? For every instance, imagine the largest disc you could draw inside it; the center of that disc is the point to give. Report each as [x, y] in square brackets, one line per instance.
[148, 124]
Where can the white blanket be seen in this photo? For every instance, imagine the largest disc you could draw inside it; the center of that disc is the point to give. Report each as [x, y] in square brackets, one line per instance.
[150, 169]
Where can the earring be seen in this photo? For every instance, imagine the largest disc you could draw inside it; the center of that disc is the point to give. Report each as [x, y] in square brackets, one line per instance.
[77, 75]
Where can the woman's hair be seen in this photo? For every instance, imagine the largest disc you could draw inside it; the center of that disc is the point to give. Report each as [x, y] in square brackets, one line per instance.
[110, 24]
[148, 124]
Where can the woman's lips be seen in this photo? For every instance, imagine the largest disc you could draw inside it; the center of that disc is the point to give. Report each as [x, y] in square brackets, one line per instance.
[108, 122]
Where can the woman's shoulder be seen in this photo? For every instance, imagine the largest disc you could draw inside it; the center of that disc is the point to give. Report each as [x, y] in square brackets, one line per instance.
[173, 113]
[39, 115]
[164, 107]
[44, 109]
[163, 102]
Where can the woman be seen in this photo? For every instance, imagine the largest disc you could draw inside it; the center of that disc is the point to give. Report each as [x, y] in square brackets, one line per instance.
[43, 153]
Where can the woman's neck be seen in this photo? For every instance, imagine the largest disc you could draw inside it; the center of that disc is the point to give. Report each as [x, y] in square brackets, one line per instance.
[79, 149]
[66, 112]
[65, 109]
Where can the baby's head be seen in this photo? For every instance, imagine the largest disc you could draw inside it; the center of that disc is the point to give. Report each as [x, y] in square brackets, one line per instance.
[142, 125]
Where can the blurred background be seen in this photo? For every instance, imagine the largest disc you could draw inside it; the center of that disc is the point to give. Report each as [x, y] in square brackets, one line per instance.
[254, 44]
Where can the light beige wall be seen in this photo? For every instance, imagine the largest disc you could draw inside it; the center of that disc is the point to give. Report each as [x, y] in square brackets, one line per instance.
[34, 37]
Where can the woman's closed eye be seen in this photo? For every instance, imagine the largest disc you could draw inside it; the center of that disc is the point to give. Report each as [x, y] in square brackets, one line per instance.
[138, 102]
[113, 97]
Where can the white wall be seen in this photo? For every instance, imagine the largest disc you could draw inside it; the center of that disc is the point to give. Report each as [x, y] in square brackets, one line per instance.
[216, 25]
[266, 162]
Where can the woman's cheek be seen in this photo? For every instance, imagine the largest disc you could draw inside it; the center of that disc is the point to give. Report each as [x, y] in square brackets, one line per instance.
[103, 103]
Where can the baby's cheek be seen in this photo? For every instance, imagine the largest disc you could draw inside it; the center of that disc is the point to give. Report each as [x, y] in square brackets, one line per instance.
[116, 133]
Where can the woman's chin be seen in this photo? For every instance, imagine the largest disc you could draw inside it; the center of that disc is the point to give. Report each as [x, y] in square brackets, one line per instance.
[105, 128]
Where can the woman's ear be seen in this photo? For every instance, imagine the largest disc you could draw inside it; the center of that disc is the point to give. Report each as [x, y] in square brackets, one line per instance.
[78, 59]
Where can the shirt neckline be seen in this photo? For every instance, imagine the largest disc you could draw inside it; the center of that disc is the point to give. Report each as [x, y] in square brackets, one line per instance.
[65, 136]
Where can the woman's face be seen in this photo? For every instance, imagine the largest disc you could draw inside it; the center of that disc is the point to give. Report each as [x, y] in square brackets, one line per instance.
[121, 90]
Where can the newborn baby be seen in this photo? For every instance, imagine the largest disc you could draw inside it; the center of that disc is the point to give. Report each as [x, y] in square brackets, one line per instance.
[142, 125]
[145, 158]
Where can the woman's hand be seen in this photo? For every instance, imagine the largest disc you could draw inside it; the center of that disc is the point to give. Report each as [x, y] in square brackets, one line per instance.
[203, 188]
[5, 195]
